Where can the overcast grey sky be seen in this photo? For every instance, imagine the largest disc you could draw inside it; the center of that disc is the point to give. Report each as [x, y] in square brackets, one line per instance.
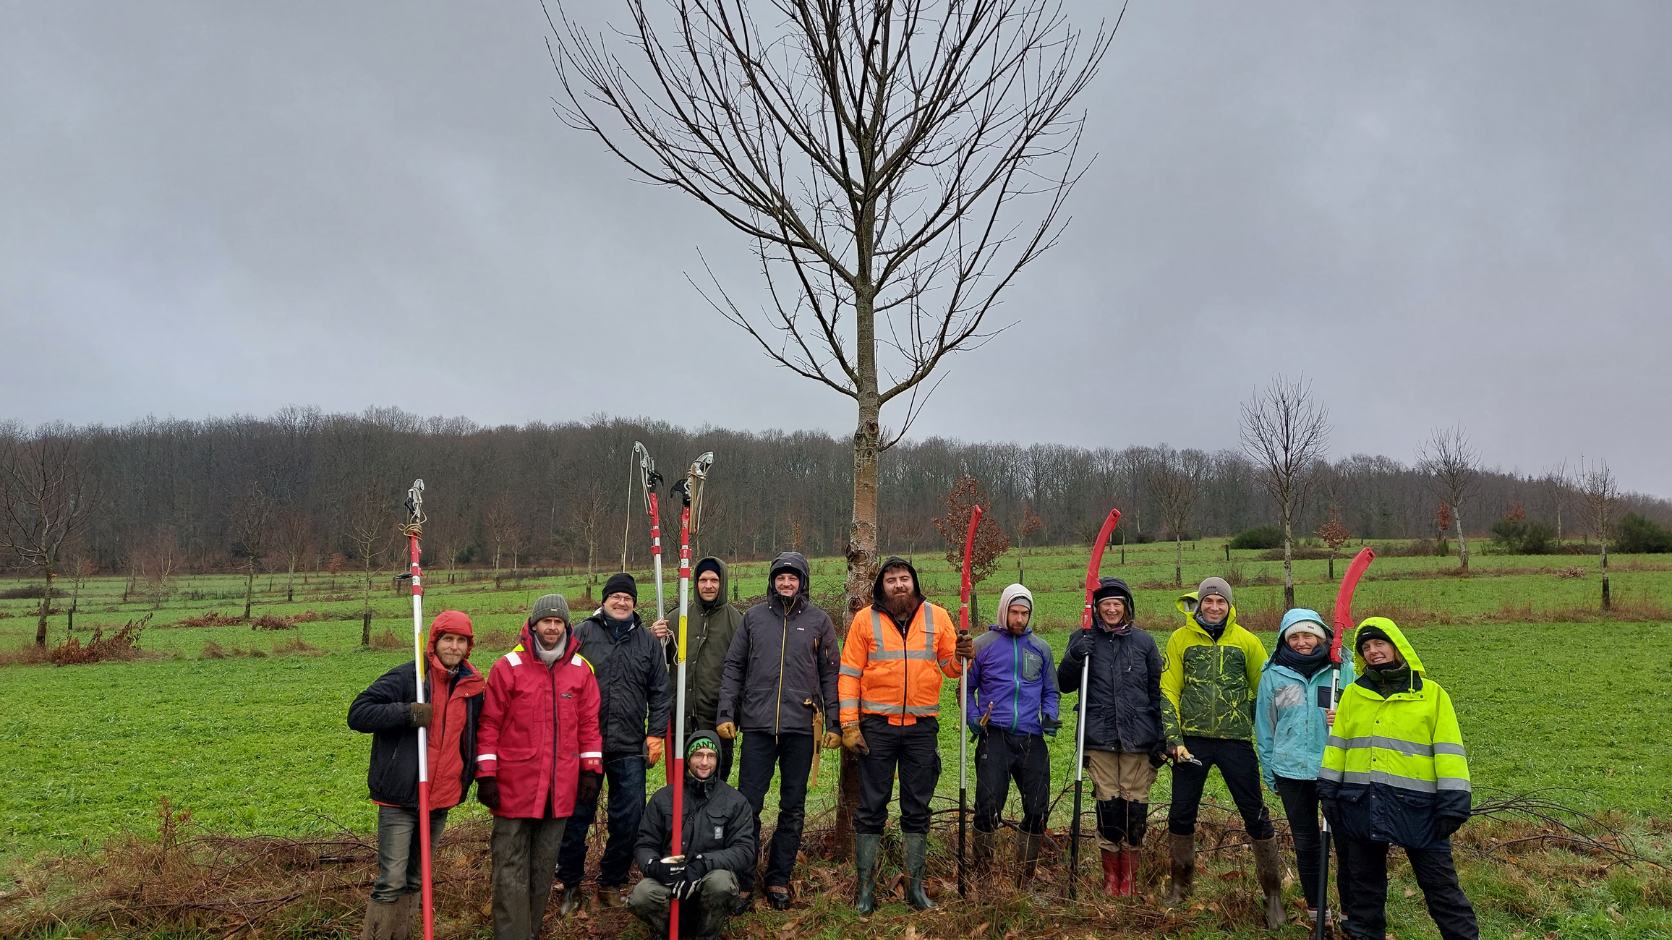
[1440, 212]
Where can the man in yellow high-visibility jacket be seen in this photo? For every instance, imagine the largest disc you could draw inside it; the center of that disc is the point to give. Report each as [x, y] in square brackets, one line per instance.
[1395, 773]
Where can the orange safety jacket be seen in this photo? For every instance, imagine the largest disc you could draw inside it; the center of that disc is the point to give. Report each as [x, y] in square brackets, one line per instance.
[898, 677]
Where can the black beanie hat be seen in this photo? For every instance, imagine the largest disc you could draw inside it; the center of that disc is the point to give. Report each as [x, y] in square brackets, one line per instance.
[622, 583]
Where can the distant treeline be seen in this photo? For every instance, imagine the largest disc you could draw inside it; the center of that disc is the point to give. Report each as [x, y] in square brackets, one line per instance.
[307, 489]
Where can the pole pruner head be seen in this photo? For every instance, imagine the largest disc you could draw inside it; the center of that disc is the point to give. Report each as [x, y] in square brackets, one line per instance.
[690, 488]
[414, 508]
[650, 481]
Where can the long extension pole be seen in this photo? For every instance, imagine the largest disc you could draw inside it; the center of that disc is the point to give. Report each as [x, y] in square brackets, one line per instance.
[963, 694]
[1341, 619]
[414, 531]
[690, 492]
[1092, 568]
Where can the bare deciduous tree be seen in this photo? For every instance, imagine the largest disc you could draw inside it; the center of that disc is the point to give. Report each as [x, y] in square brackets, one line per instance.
[1558, 488]
[1174, 478]
[1602, 496]
[872, 153]
[293, 537]
[1285, 432]
[249, 522]
[46, 499]
[367, 524]
[1452, 468]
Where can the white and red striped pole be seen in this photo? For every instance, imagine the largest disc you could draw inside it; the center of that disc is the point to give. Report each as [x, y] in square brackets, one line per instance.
[414, 535]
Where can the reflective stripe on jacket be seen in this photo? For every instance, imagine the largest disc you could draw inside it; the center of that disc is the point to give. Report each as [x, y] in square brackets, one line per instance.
[538, 724]
[893, 675]
[1393, 765]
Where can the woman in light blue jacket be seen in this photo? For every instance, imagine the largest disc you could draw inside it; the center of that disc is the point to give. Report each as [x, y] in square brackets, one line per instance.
[1290, 725]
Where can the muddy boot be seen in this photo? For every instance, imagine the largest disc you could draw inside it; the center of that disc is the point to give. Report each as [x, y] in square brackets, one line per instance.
[1268, 871]
[570, 901]
[1027, 857]
[865, 866]
[1111, 873]
[383, 920]
[916, 845]
[1183, 866]
[984, 850]
[1128, 872]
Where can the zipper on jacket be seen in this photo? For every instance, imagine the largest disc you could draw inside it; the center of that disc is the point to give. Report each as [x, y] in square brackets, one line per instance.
[783, 640]
[551, 796]
[1016, 685]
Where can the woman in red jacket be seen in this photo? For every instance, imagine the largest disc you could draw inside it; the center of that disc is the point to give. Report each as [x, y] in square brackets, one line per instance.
[540, 743]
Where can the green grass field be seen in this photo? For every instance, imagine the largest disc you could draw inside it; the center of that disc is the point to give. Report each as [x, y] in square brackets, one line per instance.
[1554, 699]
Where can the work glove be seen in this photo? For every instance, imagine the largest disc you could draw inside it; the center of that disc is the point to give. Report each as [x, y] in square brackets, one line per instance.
[653, 750]
[1444, 826]
[1158, 758]
[696, 867]
[831, 740]
[663, 871]
[978, 730]
[726, 730]
[685, 888]
[854, 741]
[1079, 644]
[487, 791]
[965, 646]
[1182, 755]
[421, 712]
[1050, 724]
[586, 790]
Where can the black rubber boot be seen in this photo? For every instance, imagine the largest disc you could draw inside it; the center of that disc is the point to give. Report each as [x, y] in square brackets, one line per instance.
[916, 845]
[1268, 870]
[1183, 851]
[865, 847]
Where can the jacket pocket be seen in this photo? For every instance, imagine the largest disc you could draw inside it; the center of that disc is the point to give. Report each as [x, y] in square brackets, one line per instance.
[1033, 666]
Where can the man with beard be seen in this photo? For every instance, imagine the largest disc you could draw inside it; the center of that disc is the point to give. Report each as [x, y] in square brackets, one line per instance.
[710, 625]
[390, 712]
[633, 716]
[716, 848]
[780, 679]
[541, 755]
[896, 652]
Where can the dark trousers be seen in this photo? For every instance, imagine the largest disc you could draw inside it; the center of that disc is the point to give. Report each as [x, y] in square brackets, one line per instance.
[524, 851]
[1366, 863]
[792, 756]
[624, 775]
[1300, 804]
[1241, 770]
[911, 750]
[703, 914]
[399, 864]
[1002, 757]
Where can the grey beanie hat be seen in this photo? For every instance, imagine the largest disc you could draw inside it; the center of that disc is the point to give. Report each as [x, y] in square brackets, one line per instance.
[550, 605]
[1210, 586]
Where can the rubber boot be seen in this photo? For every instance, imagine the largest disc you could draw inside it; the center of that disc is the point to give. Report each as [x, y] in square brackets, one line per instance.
[916, 845]
[865, 866]
[382, 920]
[1111, 873]
[984, 849]
[571, 900]
[410, 911]
[1268, 871]
[1027, 856]
[1183, 868]
[1128, 872]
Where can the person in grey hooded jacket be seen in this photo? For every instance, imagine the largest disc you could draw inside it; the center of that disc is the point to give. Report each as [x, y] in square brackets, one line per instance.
[779, 689]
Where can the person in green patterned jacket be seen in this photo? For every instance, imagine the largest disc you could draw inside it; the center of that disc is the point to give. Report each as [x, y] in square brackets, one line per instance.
[1209, 678]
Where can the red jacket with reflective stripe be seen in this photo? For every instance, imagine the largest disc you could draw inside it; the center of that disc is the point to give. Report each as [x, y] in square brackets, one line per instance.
[538, 724]
[885, 673]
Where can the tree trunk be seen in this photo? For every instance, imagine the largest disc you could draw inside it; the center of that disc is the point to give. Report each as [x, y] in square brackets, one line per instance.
[46, 604]
[290, 583]
[1607, 599]
[1332, 566]
[862, 561]
[249, 590]
[1178, 560]
[1462, 540]
[1288, 558]
[366, 610]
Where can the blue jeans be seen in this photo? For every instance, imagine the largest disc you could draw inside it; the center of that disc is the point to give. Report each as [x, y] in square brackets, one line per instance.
[624, 776]
[399, 863]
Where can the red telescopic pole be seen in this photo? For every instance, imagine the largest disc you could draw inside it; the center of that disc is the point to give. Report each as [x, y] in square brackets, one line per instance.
[414, 531]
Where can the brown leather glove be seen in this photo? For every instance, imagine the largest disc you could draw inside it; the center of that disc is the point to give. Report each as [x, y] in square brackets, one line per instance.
[653, 748]
[854, 741]
[726, 730]
[966, 646]
[831, 740]
[421, 712]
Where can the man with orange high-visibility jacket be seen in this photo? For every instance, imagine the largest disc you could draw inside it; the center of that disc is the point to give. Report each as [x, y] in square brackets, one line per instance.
[896, 653]
[1395, 773]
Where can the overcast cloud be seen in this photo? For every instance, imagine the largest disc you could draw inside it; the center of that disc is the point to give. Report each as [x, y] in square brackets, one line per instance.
[1441, 213]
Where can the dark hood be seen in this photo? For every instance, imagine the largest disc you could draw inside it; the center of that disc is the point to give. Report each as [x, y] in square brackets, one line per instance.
[725, 581]
[895, 561]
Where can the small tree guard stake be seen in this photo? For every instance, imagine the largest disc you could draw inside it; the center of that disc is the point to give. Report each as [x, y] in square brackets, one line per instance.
[1341, 619]
[690, 501]
[414, 532]
[1092, 567]
[963, 693]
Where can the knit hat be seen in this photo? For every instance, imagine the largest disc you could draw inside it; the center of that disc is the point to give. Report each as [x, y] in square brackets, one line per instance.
[1307, 626]
[1113, 587]
[1371, 632]
[707, 564]
[622, 583]
[702, 740]
[550, 605]
[1211, 586]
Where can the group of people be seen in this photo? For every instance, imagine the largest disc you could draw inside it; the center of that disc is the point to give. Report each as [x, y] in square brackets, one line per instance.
[574, 711]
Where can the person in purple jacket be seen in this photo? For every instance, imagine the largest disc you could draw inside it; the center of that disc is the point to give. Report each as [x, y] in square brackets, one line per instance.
[1012, 706]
